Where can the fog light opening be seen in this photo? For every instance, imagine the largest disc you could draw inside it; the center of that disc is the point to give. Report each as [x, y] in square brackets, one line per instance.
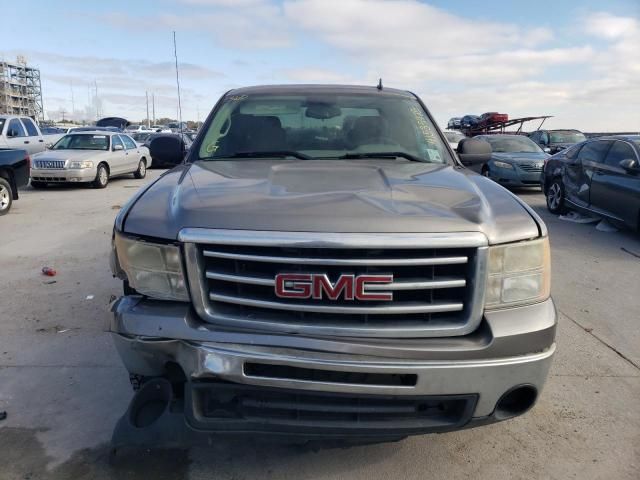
[150, 402]
[516, 401]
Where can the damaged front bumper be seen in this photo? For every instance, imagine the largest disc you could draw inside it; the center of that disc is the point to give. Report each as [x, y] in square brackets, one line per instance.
[329, 386]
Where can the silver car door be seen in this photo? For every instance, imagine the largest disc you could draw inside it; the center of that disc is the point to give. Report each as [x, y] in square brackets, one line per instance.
[132, 153]
[17, 135]
[36, 142]
[117, 156]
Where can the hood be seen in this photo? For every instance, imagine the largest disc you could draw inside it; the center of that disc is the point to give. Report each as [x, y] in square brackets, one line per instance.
[78, 155]
[363, 196]
[520, 157]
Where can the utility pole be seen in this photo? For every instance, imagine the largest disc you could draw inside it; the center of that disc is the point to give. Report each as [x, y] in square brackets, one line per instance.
[175, 54]
[146, 94]
[153, 106]
[73, 103]
[62, 112]
[95, 83]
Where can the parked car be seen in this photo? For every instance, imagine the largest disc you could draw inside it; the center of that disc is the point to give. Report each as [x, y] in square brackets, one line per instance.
[599, 176]
[454, 123]
[515, 160]
[469, 121]
[141, 137]
[14, 173]
[159, 162]
[137, 129]
[492, 117]
[345, 277]
[553, 141]
[90, 157]
[161, 129]
[22, 133]
[453, 137]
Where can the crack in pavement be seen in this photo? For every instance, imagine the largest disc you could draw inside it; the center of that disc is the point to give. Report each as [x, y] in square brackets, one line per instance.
[611, 347]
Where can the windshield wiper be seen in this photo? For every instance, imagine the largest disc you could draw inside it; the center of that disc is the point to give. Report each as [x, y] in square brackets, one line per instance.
[265, 154]
[353, 156]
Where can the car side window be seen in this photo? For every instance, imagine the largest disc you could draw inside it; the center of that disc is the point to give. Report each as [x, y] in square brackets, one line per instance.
[128, 143]
[619, 151]
[32, 131]
[594, 151]
[16, 128]
[115, 140]
[544, 138]
[572, 153]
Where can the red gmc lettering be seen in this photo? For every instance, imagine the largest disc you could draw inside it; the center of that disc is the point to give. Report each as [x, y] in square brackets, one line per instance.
[318, 286]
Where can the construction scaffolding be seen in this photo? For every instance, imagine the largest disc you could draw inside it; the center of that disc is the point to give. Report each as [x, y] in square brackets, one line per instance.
[20, 89]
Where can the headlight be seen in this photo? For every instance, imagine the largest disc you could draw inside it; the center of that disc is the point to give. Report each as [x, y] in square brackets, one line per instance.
[519, 274]
[85, 164]
[503, 165]
[152, 269]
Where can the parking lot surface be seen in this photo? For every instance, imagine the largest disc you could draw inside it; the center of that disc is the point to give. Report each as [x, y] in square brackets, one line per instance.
[63, 386]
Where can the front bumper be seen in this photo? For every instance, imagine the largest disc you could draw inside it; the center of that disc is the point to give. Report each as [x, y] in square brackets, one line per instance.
[513, 347]
[63, 175]
[515, 177]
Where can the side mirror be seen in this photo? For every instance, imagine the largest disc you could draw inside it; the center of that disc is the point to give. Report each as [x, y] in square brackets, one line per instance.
[117, 147]
[472, 151]
[167, 149]
[12, 133]
[546, 150]
[49, 146]
[629, 164]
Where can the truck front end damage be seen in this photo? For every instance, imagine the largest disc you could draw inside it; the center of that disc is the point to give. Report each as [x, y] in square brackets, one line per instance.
[350, 336]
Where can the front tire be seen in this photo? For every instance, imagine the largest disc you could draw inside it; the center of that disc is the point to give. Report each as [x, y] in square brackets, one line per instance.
[6, 196]
[102, 177]
[555, 197]
[141, 172]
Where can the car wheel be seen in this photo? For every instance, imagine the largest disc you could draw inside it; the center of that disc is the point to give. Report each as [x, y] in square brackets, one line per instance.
[6, 197]
[555, 197]
[141, 172]
[102, 177]
[485, 171]
[38, 185]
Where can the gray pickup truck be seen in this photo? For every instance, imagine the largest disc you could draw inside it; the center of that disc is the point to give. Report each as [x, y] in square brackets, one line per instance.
[321, 264]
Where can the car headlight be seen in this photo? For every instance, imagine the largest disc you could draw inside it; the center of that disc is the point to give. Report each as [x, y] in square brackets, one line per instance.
[506, 165]
[152, 269]
[518, 274]
[85, 164]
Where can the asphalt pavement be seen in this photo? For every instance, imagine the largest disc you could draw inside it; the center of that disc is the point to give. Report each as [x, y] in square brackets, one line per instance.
[63, 386]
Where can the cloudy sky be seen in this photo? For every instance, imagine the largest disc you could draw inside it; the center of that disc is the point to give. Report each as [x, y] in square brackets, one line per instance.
[576, 60]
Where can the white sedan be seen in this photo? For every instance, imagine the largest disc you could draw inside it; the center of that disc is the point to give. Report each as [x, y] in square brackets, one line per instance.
[90, 157]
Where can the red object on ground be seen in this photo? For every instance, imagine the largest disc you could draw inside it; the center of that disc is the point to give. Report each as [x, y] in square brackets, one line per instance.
[50, 272]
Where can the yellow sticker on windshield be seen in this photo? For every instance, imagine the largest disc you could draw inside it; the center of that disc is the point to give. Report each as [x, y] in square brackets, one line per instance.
[423, 125]
[212, 148]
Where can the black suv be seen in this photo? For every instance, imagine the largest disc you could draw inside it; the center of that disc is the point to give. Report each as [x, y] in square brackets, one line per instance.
[556, 140]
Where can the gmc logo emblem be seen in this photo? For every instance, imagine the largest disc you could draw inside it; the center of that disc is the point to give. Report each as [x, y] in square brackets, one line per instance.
[318, 286]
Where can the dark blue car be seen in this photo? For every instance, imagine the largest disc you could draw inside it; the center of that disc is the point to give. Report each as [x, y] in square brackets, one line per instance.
[516, 161]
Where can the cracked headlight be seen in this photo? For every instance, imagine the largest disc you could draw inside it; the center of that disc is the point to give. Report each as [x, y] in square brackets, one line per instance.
[506, 165]
[152, 269]
[85, 164]
[518, 274]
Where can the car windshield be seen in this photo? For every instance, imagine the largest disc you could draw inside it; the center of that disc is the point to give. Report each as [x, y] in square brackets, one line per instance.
[566, 137]
[323, 126]
[454, 136]
[82, 142]
[133, 127]
[512, 144]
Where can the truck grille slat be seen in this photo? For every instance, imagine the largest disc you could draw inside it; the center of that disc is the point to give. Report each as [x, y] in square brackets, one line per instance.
[338, 261]
[415, 284]
[434, 290]
[394, 308]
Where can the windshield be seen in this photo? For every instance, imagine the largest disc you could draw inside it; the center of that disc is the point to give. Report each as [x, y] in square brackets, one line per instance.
[453, 136]
[512, 144]
[82, 142]
[140, 137]
[323, 126]
[133, 127]
[566, 137]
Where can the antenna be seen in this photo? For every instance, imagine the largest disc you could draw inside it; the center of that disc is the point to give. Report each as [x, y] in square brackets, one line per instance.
[379, 87]
[175, 54]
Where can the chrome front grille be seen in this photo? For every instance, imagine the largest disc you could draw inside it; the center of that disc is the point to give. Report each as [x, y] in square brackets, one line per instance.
[531, 167]
[49, 164]
[437, 289]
